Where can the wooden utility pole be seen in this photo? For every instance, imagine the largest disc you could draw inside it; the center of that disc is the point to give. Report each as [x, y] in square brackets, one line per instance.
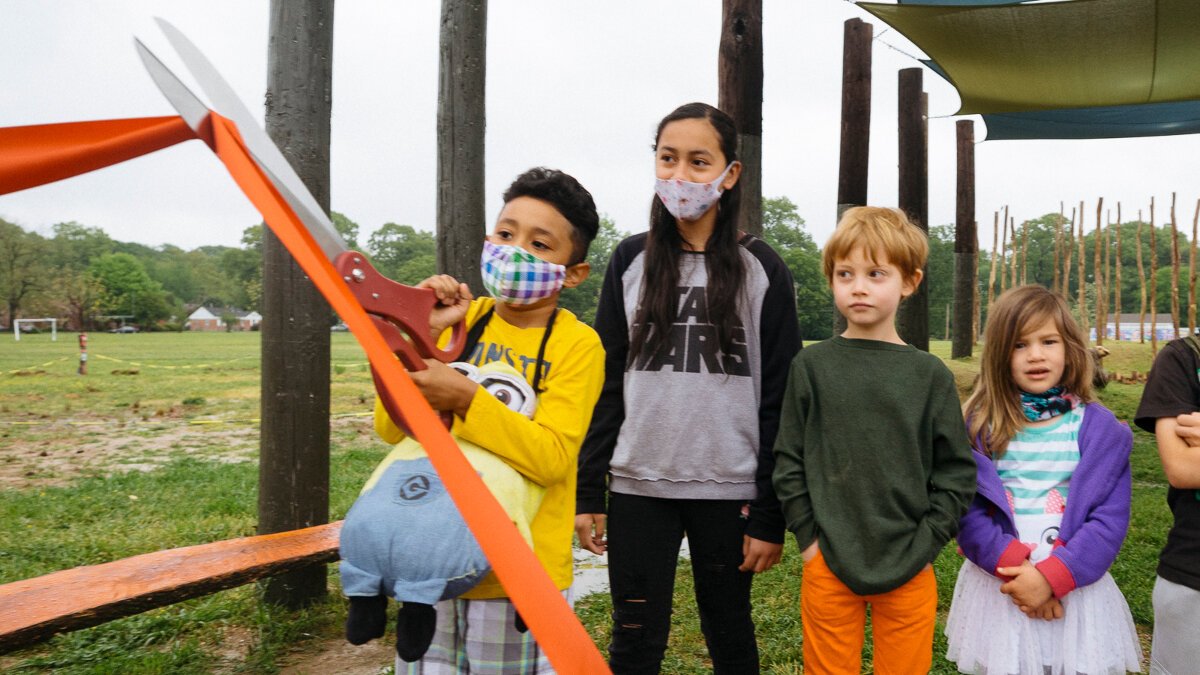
[966, 243]
[1116, 287]
[461, 121]
[1082, 302]
[1024, 252]
[1141, 283]
[992, 266]
[856, 125]
[293, 469]
[1192, 274]
[1153, 283]
[913, 192]
[1098, 272]
[740, 86]
[1174, 271]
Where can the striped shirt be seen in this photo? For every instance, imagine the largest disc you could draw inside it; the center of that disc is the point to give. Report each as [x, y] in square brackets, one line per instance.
[1036, 471]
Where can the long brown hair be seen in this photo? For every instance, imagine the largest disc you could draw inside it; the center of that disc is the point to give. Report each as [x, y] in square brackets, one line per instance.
[993, 411]
[722, 257]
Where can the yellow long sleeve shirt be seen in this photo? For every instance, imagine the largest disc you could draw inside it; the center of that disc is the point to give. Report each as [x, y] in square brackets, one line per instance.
[546, 448]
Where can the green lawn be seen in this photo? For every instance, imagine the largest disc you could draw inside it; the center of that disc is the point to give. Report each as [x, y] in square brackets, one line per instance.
[154, 448]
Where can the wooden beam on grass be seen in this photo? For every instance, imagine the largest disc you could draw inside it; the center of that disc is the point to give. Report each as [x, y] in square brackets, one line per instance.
[36, 609]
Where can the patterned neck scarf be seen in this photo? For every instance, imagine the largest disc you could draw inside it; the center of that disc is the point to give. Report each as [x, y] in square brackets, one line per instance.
[1050, 403]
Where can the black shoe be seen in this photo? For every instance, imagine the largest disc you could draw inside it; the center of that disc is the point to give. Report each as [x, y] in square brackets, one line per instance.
[367, 619]
[415, 624]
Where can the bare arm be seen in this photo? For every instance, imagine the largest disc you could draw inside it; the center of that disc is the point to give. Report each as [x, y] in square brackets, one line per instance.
[1180, 461]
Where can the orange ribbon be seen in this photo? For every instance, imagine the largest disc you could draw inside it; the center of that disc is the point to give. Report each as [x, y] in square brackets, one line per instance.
[35, 155]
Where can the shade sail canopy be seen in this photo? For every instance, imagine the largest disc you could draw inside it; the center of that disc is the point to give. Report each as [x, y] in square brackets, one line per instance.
[1059, 56]
[1125, 121]
[1155, 119]
[960, 3]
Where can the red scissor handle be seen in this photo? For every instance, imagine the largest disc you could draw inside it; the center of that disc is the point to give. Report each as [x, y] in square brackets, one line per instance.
[401, 313]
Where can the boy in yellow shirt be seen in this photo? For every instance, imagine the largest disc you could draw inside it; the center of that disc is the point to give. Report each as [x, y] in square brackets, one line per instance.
[538, 246]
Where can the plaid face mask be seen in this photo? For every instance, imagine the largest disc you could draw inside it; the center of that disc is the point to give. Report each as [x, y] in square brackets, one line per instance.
[515, 276]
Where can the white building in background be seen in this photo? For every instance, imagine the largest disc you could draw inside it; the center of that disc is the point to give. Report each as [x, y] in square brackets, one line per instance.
[209, 319]
[1162, 327]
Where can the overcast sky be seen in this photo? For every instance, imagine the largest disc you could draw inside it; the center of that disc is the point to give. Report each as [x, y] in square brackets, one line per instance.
[573, 85]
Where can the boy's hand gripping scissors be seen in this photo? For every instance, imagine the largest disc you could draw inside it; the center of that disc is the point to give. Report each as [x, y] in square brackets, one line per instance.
[400, 313]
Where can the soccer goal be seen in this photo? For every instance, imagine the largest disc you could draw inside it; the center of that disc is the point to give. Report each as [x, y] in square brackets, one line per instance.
[53, 327]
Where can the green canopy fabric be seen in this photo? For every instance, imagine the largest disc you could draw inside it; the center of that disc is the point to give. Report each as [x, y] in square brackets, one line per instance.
[1053, 56]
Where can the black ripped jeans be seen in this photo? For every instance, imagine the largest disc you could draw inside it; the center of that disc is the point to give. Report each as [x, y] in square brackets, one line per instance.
[644, 534]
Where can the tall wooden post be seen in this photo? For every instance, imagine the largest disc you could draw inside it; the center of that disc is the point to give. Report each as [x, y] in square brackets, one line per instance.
[1024, 252]
[740, 83]
[995, 260]
[461, 120]
[977, 318]
[1174, 271]
[293, 470]
[1003, 248]
[1082, 303]
[1108, 228]
[1098, 272]
[913, 319]
[1153, 281]
[1141, 275]
[1058, 240]
[1069, 242]
[1117, 273]
[1016, 249]
[1192, 273]
[966, 246]
[856, 125]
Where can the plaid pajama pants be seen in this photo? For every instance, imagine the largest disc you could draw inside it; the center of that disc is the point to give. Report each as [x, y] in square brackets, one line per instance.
[480, 637]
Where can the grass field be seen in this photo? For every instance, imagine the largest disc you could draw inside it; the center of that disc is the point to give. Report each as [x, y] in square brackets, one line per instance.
[155, 448]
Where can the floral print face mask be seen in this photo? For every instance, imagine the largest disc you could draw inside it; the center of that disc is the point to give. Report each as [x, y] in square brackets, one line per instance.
[687, 200]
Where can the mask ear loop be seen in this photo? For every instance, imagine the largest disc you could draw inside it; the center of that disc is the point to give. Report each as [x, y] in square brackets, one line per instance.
[537, 370]
[477, 331]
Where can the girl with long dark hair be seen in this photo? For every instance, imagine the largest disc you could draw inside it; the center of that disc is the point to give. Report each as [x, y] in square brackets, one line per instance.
[698, 322]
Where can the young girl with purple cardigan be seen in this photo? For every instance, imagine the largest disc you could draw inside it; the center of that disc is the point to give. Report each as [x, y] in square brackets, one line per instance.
[1051, 507]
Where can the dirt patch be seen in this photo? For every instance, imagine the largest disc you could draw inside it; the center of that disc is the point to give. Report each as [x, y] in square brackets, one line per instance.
[338, 657]
[67, 448]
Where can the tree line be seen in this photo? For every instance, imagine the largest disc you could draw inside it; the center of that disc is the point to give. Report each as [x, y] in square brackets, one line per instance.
[85, 278]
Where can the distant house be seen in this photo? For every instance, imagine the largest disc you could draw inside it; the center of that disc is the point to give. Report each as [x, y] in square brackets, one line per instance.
[211, 319]
[1162, 328]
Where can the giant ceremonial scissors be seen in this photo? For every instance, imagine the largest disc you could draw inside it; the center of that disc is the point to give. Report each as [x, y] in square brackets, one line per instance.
[399, 312]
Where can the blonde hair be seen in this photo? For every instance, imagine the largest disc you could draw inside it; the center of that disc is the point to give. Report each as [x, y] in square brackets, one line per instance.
[879, 231]
[993, 411]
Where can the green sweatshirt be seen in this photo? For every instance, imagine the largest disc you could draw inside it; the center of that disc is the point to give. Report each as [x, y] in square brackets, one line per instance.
[872, 459]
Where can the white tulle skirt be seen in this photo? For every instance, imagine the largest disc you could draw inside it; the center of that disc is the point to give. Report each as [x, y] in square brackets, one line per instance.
[988, 634]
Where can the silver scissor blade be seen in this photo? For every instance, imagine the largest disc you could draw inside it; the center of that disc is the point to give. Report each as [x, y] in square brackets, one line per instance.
[188, 105]
[264, 152]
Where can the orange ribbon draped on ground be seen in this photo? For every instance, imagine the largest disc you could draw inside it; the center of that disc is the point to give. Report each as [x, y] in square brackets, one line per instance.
[35, 155]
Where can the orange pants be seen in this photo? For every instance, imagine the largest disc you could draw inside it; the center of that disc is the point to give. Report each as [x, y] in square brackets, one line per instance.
[835, 617]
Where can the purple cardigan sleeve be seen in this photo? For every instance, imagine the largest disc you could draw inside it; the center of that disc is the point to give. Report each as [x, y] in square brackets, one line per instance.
[986, 535]
[1090, 541]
